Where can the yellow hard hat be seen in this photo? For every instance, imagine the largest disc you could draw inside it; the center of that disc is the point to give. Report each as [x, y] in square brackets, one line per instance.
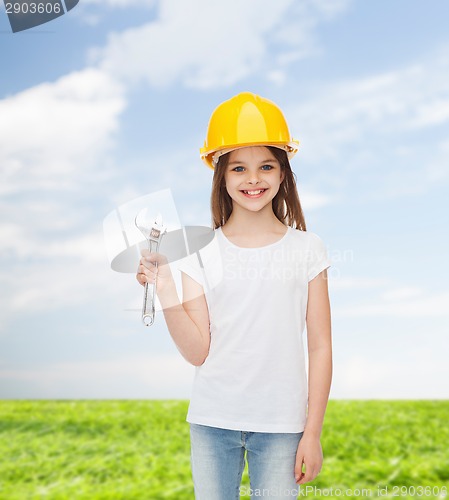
[246, 120]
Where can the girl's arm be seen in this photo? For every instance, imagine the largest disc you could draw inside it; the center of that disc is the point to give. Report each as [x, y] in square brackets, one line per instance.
[319, 343]
[188, 323]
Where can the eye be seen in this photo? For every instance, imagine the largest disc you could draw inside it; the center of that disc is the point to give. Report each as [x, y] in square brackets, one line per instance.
[267, 167]
[235, 169]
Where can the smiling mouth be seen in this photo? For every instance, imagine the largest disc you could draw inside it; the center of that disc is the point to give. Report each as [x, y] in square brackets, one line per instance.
[254, 192]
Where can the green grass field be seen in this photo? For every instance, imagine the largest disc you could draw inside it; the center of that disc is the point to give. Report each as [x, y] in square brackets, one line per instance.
[140, 450]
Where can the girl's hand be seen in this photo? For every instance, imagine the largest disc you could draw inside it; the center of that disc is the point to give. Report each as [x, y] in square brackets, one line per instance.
[310, 454]
[147, 271]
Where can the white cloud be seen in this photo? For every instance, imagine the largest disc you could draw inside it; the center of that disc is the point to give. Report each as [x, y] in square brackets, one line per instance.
[311, 200]
[278, 77]
[162, 376]
[412, 374]
[55, 139]
[213, 44]
[406, 292]
[329, 8]
[357, 283]
[404, 307]
[54, 134]
[65, 273]
[13, 238]
[436, 170]
[63, 281]
[297, 33]
[408, 301]
[52, 258]
[355, 122]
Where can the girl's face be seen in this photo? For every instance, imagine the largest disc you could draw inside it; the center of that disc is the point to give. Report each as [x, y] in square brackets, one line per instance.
[252, 177]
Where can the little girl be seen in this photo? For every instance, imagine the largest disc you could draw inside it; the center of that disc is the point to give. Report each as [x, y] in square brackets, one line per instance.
[245, 304]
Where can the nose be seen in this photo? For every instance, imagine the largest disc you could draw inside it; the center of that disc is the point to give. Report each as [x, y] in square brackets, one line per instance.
[253, 177]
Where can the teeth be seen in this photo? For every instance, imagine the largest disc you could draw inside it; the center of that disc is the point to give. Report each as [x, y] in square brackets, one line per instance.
[254, 192]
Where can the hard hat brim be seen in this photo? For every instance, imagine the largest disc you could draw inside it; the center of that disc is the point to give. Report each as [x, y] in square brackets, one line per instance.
[208, 156]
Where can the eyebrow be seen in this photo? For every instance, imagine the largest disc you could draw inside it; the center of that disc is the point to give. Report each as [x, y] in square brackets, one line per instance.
[270, 160]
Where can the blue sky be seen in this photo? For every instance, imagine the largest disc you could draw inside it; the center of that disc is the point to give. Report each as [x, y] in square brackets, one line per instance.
[110, 102]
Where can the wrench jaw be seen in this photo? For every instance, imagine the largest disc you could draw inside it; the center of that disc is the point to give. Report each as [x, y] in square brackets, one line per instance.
[153, 232]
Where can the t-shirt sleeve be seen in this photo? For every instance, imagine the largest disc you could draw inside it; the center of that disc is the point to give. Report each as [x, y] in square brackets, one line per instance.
[191, 266]
[317, 258]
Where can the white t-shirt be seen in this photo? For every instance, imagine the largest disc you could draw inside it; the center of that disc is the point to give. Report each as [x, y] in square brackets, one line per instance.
[254, 378]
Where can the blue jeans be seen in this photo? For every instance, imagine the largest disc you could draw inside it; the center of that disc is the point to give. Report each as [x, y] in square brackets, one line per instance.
[218, 459]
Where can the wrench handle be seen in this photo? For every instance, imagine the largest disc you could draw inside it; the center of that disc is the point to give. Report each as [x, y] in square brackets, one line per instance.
[148, 309]
[148, 304]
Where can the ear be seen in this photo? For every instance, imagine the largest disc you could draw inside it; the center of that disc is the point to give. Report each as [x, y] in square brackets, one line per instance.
[282, 176]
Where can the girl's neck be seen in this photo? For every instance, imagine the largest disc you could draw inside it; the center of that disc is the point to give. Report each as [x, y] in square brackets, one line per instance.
[244, 222]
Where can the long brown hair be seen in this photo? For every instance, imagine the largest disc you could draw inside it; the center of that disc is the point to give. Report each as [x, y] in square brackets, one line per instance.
[286, 204]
